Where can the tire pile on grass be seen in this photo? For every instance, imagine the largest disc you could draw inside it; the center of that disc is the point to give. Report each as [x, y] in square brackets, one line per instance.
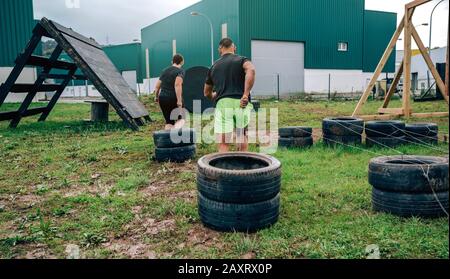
[410, 186]
[295, 137]
[385, 133]
[176, 146]
[422, 133]
[342, 131]
[239, 191]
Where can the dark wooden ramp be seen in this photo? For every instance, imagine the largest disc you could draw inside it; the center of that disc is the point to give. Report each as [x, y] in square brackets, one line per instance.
[193, 87]
[89, 57]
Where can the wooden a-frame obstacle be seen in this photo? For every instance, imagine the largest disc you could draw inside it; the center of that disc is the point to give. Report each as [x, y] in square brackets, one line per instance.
[89, 57]
[410, 32]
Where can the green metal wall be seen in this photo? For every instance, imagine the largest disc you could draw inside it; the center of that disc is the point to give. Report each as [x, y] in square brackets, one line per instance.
[320, 24]
[16, 26]
[191, 33]
[126, 57]
[378, 30]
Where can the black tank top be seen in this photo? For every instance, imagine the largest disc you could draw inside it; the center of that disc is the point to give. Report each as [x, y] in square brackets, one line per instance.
[167, 78]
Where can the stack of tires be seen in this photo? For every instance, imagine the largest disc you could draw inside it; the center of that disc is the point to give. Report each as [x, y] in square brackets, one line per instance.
[239, 191]
[385, 133]
[342, 131]
[410, 186]
[422, 133]
[256, 105]
[295, 137]
[176, 146]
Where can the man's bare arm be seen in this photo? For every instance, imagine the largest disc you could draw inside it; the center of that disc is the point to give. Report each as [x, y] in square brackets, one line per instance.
[157, 90]
[208, 91]
[179, 91]
[250, 75]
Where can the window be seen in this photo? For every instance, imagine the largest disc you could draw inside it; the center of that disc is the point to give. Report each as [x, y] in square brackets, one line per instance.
[342, 46]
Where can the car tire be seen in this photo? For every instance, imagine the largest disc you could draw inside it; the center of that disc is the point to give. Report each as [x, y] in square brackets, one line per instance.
[239, 186]
[409, 174]
[385, 129]
[175, 154]
[411, 205]
[163, 139]
[391, 142]
[295, 142]
[344, 126]
[229, 217]
[295, 132]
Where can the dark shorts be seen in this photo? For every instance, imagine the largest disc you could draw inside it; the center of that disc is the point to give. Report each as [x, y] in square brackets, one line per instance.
[168, 105]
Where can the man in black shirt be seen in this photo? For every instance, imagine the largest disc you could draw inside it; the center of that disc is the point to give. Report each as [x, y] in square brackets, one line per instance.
[228, 83]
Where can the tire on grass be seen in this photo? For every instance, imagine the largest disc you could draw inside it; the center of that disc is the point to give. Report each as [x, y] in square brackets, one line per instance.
[390, 142]
[409, 174]
[410, 205]
[185, 137]
[239, 177]
[422, 129]
[343, 126]
[229, 217]
[334, 141]
[296, 142]
[175, 154]
[385, 129]
[295, 132]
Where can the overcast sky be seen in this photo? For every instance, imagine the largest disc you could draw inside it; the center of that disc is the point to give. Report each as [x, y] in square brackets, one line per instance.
[119, 21]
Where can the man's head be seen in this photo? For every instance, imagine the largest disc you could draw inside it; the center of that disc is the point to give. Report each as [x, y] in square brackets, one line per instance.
[178, 59]
[227, 45]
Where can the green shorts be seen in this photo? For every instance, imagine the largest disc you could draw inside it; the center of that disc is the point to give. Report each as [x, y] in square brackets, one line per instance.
[230, 116]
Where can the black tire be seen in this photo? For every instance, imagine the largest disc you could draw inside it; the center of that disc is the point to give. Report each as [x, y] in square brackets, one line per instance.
[175, 154]
[410, 205]
[228, 217]
[391, 142]
[163, 139]
[422, 129]
[333, 141]
[385, 129]
[434, 140]
[344, 126]
[239, 186]
[295, 132]
[406, 174]
[296, 142]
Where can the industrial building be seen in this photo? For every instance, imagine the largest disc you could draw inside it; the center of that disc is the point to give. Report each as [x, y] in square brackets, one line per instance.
[298, 46]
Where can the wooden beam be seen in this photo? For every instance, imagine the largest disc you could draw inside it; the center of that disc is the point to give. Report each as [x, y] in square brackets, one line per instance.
[398, 111]
[26, 88]
[379, 117]
[429, 62]
[41, 61]
[430, 114]
[380, 67]
[393, 87]
[407, 65]
[416, 3]
[13, 114]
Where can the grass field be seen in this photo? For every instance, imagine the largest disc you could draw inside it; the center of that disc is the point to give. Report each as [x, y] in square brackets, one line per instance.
[66, 182]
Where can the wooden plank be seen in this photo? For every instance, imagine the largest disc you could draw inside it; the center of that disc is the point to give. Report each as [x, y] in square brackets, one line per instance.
[26, 88]
[430, 114]
[398, 111]
[379, 117]
[407, 66]
[429, 62]
[41, 61]
[21, 62]
[70, 32]
[447, 78]
[63, 77]
[416, 3]
[394, 85]
[380, 67]
[9, 115]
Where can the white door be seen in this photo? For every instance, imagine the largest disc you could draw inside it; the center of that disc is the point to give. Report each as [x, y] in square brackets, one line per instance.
[279, 65]
[130, 77]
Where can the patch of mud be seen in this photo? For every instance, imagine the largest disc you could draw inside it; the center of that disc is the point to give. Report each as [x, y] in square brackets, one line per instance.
[131, 250]
[36, 251]
[199, 236]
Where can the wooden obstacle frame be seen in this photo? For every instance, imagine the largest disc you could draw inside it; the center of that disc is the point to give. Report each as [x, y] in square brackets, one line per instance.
[386, 113]
[88, 56]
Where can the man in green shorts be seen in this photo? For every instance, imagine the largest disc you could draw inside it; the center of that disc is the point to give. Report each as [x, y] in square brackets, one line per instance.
[228, 83]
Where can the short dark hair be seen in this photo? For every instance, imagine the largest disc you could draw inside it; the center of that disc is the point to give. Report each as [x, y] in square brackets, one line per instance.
[177, 59]
[226, 43]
